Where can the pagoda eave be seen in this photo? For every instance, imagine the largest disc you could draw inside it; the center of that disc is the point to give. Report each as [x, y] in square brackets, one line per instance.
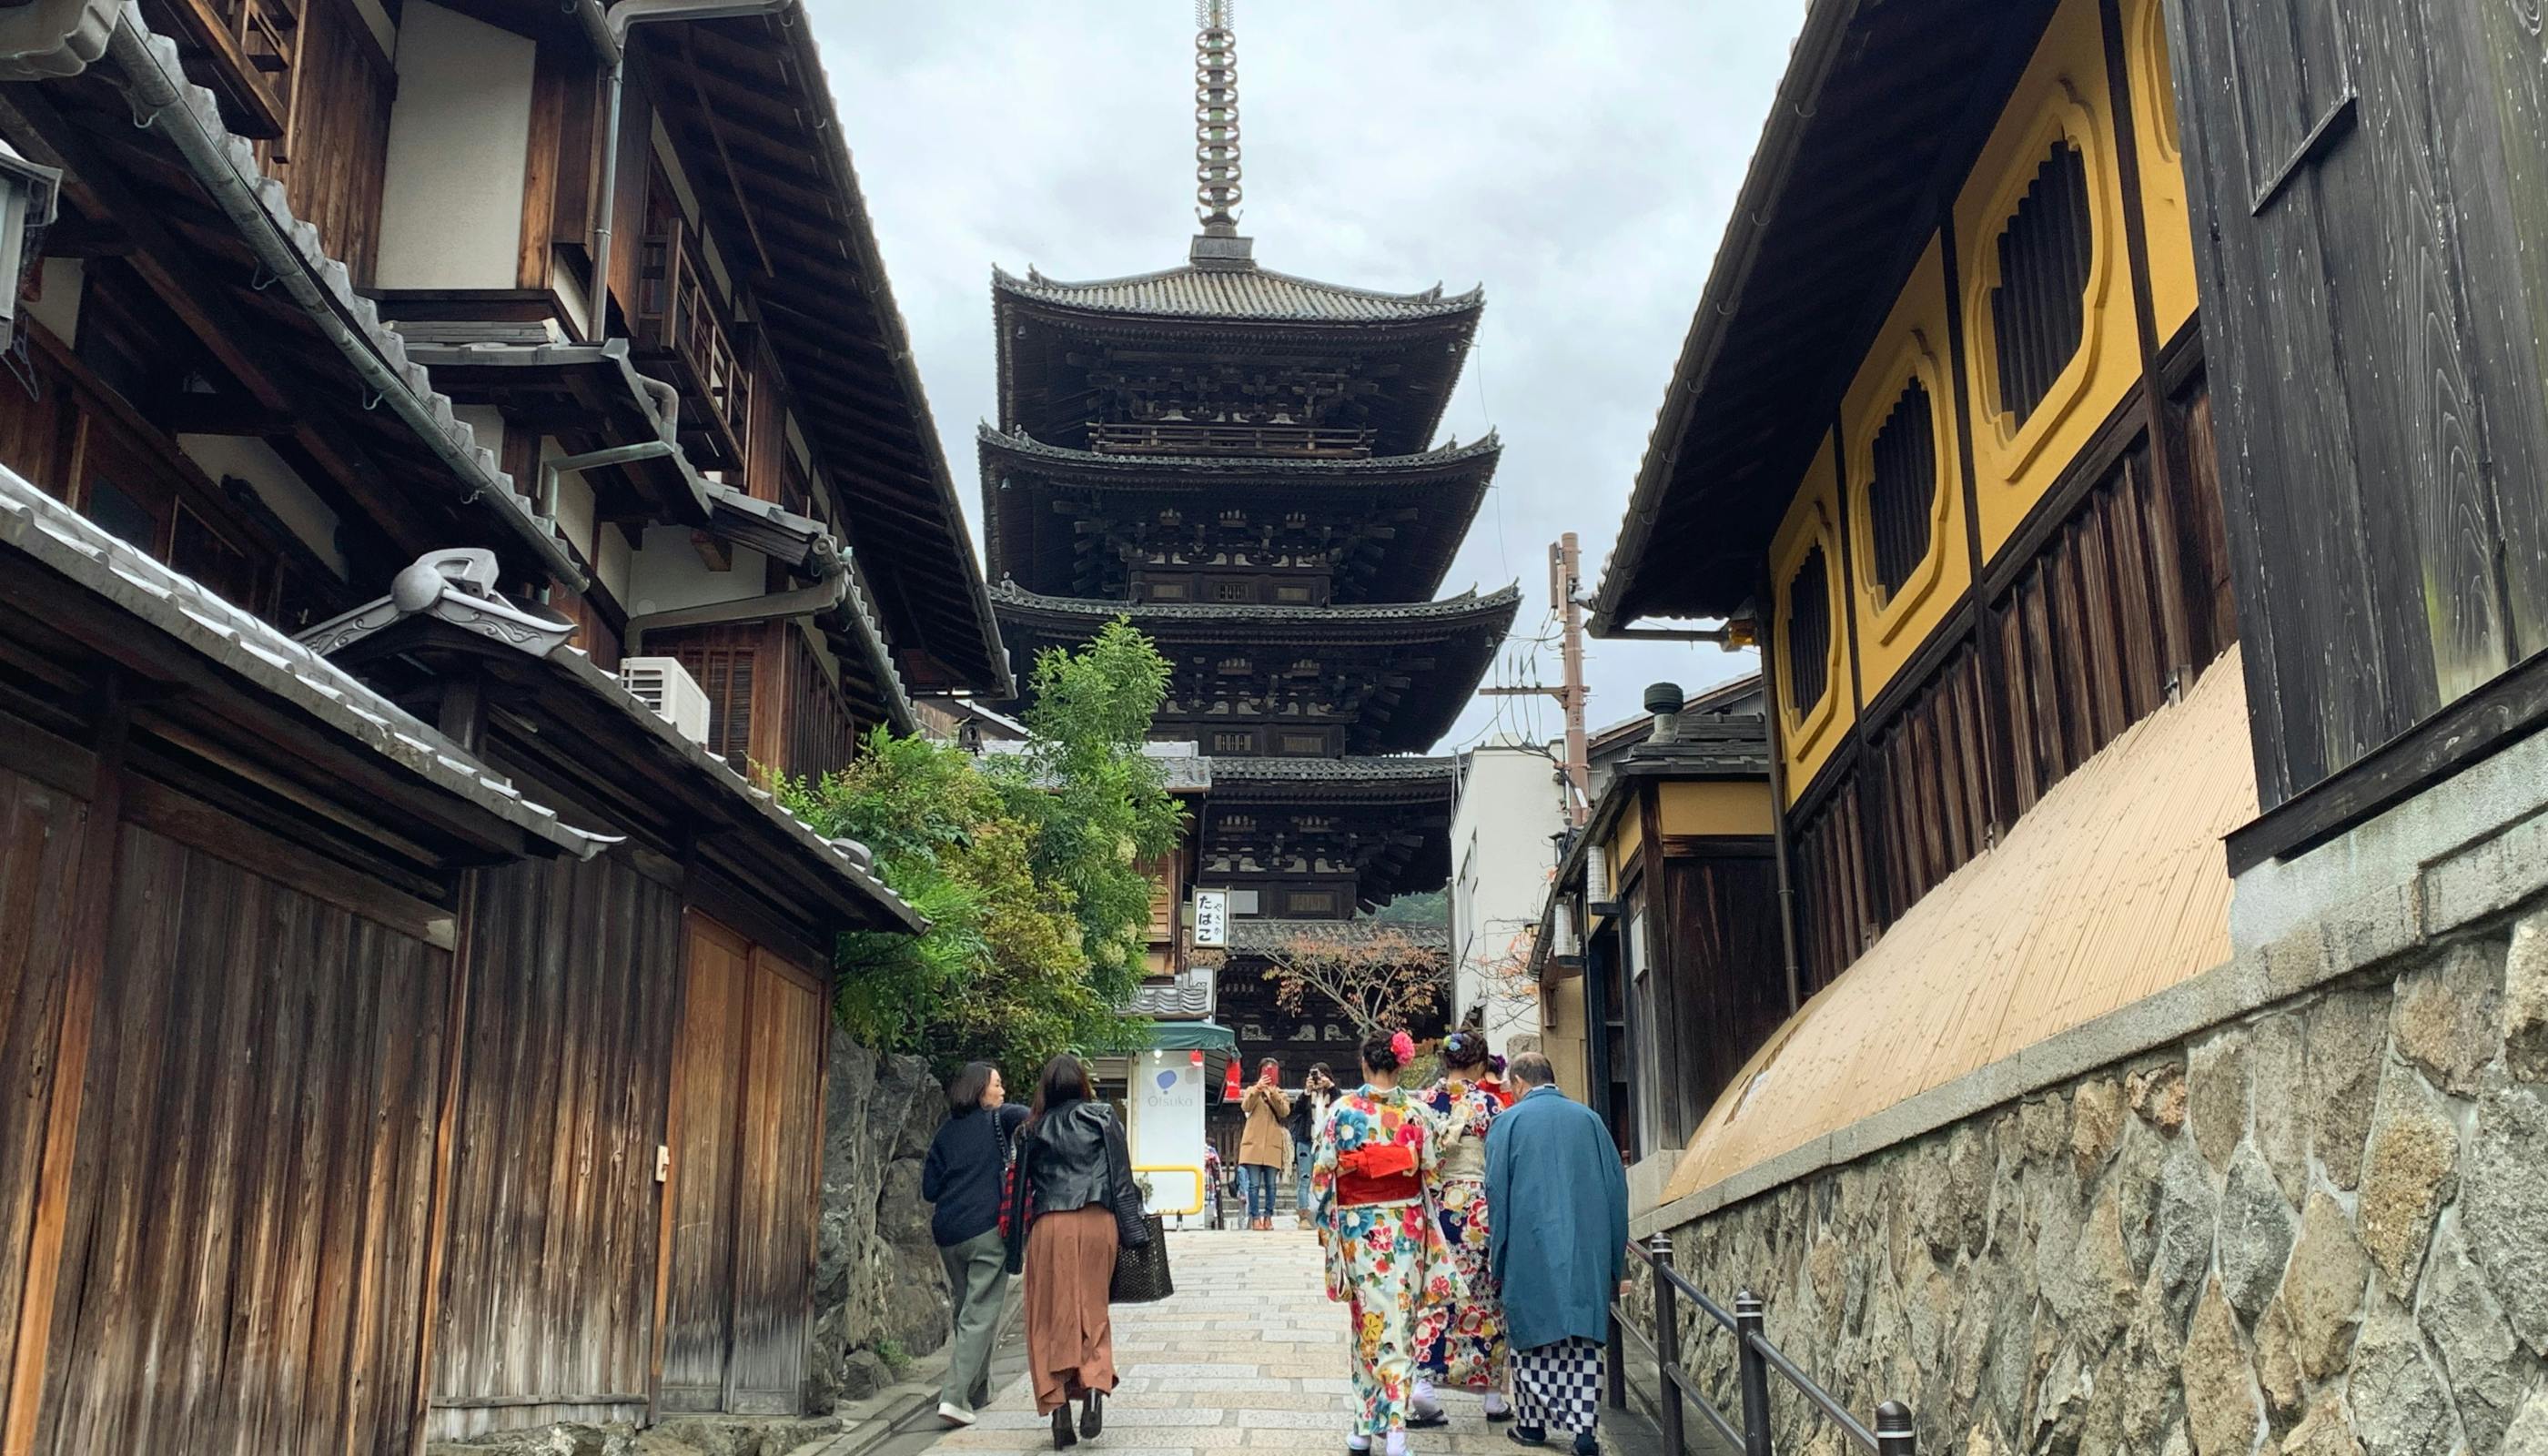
[1067, 521]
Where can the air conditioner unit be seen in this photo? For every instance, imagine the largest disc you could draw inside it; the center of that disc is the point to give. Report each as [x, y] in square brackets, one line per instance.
[667, 687]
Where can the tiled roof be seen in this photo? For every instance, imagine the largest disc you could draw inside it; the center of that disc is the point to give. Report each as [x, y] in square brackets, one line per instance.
[1165, 470]
[1189, 999]
[1250, 293]
[1453, 609]
[1260, 936]
[240, 641]
[1377, 769]
[1183, 768]
[1703, 745]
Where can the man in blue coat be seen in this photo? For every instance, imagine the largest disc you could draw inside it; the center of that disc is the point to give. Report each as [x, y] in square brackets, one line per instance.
[1558, 1246]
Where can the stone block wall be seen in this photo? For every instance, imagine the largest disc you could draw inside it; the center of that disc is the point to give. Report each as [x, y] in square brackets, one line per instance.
[2319, 1229]
[879, 1283]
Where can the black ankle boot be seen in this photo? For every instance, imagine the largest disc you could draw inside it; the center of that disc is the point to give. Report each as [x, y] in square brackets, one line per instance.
[1064, 1437]
[1092, 1415]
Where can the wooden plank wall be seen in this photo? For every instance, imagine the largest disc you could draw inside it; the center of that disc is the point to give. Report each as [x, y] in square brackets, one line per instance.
[341, 134]
[1723, 986]
[245, 1232]
[547, 1309]
[706, 1112]
[779, 1152]
[2371, 181]
[747, 1144]
[42, 831]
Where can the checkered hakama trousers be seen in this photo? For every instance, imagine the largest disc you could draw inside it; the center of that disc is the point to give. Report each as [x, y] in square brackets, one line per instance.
[1558, 1387]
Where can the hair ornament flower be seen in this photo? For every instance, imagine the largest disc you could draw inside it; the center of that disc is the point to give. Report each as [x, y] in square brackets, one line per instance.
[1403, 1045]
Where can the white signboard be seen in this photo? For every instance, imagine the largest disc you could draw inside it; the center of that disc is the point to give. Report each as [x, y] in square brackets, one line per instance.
[1211, 919]
[1167, 1128]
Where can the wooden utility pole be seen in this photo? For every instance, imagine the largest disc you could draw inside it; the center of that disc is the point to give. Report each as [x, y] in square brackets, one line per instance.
[1565, 578]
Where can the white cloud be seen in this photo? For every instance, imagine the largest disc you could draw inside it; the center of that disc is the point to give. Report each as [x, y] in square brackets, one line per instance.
[1579, 160]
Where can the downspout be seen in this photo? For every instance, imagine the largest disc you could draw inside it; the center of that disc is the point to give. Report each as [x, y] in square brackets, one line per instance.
[158, 101]
[608, 32]
[804, 601]
[667, 411]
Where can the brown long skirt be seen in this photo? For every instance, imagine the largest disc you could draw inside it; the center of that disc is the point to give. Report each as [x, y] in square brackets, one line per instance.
[1070, 1341]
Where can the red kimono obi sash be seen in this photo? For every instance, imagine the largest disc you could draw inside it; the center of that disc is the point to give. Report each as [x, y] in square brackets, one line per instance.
[1378, 1173]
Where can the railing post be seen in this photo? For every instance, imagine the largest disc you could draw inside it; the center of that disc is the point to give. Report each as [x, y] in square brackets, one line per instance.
[1614, 1363]
[1894, 1436]
[1753, 1368]
[1666, 1344]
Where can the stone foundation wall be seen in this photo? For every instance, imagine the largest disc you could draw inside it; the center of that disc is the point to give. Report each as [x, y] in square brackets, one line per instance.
[878, 1285]
[2318, 1230]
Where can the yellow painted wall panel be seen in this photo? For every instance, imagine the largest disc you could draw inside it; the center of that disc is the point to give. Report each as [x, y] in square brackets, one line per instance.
[2063, 96]
[1808, 733]
[1716, 809]
[1562, 1035]
[1625, 839]
[2166, 223]
[1912, 346]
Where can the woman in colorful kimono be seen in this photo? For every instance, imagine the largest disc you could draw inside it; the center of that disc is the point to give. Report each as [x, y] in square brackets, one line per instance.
[1467, 1350]
[1373, 1179]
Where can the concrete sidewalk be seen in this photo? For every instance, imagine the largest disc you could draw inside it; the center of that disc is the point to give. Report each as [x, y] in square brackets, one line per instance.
[1248, 1356]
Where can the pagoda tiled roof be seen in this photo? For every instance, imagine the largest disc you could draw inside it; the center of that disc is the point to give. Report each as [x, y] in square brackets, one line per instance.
[1492, 611]
[1168, 471]
[1247, 294]
[1258, 935]
[1231, 772]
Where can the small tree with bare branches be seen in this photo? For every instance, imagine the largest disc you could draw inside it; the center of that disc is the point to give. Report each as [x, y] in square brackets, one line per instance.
[1380, 975]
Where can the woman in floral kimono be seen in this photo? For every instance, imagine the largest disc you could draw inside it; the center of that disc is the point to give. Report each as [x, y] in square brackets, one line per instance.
[1373, 1178]
[1467, 1350]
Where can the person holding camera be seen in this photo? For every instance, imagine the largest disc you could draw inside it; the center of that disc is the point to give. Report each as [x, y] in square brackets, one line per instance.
[1310, 1108]
[1263, 1153]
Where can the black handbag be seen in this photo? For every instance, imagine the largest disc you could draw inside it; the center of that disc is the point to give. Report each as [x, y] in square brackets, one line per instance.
[1142, 1269]
[1140, 1274]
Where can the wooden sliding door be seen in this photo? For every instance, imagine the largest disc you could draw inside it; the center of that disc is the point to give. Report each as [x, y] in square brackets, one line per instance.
[745, 1140]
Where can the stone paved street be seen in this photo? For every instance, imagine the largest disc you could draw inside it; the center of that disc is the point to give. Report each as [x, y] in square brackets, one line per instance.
[1248, 1356]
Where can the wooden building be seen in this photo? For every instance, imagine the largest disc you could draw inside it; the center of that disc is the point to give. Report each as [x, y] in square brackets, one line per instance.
[1243, 463]
[454, 450]
[1680, 977]
[1941, 440]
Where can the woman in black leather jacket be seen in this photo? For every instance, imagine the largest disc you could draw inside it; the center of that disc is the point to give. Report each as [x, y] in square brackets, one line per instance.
[1072, 1206]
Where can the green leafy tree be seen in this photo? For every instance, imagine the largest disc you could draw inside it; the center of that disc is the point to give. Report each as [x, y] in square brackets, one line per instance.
[1100, 805]
[1022, 864]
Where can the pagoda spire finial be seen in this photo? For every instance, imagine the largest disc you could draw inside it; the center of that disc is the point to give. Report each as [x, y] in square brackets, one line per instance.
[1217, 190]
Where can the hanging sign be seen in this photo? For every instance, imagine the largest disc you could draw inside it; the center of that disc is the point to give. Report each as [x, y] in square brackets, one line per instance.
[1212, 920]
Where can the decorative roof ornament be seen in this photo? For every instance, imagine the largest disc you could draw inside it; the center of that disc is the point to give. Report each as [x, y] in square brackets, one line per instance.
[1217, 189]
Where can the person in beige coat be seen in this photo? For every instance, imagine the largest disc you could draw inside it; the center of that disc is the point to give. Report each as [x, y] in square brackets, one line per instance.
[1263, 1148]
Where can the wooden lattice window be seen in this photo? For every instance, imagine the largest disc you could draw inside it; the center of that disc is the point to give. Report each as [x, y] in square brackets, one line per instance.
[2039, 309]
[1809, 631]
[1902, 488]
[1228, 742]
[725, 675]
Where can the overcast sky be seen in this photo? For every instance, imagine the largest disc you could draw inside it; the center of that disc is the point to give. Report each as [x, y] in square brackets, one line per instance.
[1577, 158]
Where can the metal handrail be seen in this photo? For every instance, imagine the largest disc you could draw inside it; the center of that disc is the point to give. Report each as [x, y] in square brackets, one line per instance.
[1756, 1359]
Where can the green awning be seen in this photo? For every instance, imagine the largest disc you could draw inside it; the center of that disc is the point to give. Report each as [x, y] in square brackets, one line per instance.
[1193, 1035]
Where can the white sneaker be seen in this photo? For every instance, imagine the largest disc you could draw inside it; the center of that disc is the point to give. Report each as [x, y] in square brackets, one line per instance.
[953, 1414]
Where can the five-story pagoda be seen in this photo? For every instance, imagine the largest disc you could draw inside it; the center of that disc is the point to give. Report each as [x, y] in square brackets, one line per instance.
[1242, 463]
